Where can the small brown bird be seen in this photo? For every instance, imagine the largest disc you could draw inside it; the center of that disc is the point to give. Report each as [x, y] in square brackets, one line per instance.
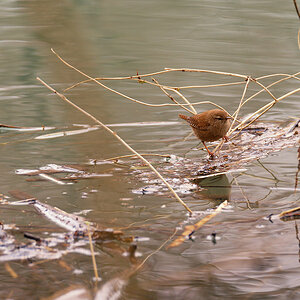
[209, 126]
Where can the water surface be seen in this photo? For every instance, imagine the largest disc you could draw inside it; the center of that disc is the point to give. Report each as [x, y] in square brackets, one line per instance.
[252, 259]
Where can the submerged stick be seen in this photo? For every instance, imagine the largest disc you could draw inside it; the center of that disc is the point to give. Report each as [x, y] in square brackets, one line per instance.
[190, 229]
[120, 139]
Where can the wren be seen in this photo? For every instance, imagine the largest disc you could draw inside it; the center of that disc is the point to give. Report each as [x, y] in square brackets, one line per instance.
[209, 126]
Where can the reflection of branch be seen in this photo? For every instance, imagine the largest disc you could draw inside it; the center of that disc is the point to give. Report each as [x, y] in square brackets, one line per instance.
[243, 193]
[296, 7]
[297, 237]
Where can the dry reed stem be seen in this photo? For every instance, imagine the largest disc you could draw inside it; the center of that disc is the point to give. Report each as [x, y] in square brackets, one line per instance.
[136, 78]
[280, 74]
[92, 253]
[260, 112]
[120, 139]
[207, 71]
[235, 114]
[151, 83]
[272, 84]
[101, 84]
[175, 89]
[186, 100]
[175, 101]
[264, 88]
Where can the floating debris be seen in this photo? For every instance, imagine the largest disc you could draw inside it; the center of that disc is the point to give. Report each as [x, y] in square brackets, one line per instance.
[265, 138]
[4, 127]
[191, 229]
[59, 217]
[66, 133]
[75, 173]
[288, 215]
[47, 177]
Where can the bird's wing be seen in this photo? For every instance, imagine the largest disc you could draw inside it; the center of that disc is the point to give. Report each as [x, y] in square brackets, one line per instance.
[194, 125]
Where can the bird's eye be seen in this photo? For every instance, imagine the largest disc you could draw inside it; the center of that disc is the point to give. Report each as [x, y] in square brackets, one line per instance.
[218, 118]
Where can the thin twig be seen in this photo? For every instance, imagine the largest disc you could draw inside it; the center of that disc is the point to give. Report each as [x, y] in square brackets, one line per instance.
[272, 84]
[120, 139]
[235, 114]
[175, 101]
[207, 71]
[260, 112]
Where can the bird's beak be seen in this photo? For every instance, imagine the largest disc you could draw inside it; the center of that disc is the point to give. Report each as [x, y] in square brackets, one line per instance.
[229, 117]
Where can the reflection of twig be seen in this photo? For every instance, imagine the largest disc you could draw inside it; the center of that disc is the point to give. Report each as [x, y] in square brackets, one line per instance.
[242, 191]
[157, 250]
[275, 178]
[120, 139]
[297, 237]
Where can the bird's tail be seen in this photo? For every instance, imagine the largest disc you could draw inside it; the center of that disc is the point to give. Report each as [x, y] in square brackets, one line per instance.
[186, 118]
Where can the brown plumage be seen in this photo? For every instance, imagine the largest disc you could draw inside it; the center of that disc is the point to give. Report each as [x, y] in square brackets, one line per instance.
[209, 126]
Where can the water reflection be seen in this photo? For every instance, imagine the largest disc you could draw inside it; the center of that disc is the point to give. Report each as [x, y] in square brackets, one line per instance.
[216, 188]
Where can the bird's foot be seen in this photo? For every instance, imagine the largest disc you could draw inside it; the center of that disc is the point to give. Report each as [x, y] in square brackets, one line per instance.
[211, 155]
[225, 138]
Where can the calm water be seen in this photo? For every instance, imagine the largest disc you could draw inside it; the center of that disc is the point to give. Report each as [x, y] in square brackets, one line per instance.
[252, 259]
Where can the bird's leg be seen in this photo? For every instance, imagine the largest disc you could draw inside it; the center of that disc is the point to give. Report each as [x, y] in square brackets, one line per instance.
[225, 138]
[208, 151]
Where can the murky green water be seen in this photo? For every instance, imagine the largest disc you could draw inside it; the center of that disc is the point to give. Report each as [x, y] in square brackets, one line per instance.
[252, 258]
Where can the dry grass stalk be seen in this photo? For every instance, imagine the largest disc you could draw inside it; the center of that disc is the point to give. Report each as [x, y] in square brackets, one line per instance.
[192, 111]
[139, 77]
[93, 254]
[257, 114]
[235, 114]
[247, 122]
[120, 139]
